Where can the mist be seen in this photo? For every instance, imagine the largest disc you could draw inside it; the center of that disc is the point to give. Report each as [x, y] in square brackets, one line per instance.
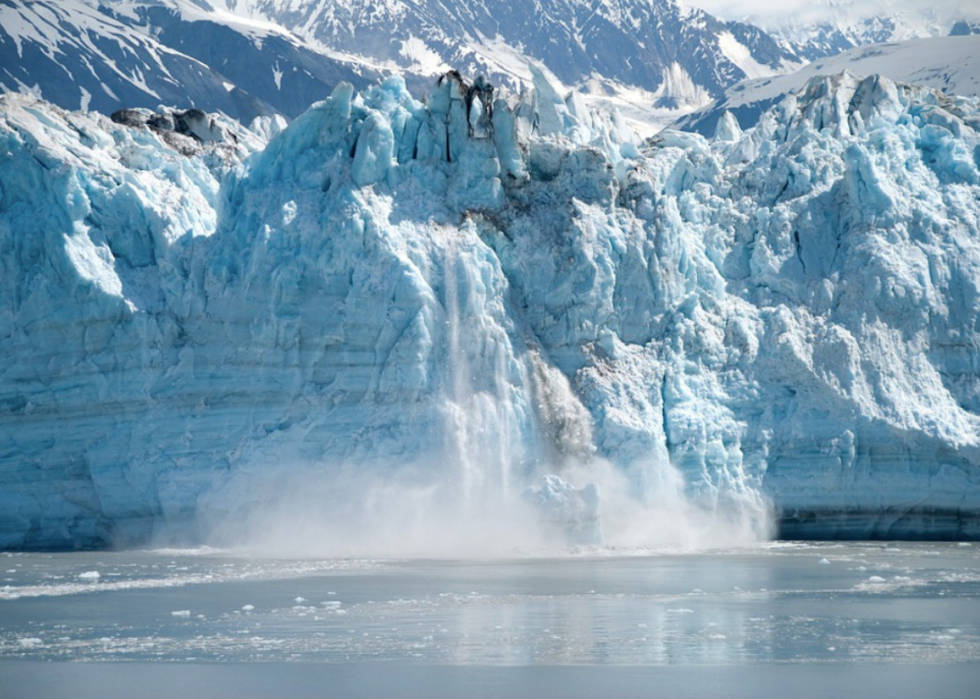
[501, 461]
[422, 510]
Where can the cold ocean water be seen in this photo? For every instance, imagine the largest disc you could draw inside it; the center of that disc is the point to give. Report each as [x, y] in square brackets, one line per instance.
[777, 620]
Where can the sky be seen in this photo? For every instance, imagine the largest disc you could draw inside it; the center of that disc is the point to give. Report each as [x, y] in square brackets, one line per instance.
[767, 11]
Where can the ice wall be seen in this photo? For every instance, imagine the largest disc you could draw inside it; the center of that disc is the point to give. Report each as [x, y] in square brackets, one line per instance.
[491, 290]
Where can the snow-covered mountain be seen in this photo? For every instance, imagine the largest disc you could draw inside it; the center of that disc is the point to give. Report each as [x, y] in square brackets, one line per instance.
[828, 27]
[964, 28]
[947, 64]
[816, 41]
[651, 44]
[251, 57]
[394, 309]
[106, 56]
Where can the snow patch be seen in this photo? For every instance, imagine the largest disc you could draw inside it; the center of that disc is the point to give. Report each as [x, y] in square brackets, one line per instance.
[678, 90]
[739, 54]
[277, 76]
[421, 57]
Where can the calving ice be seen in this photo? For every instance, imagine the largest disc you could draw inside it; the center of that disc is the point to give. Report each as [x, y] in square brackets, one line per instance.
[486, 320]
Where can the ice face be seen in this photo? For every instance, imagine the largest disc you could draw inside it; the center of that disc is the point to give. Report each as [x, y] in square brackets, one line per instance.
[480, 301]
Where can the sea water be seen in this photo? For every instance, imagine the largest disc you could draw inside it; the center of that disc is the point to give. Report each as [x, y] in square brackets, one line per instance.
[782, 619]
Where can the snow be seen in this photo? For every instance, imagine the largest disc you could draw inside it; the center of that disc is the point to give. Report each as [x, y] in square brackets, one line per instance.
[231, 16]
[501, 58]
[740, 55]
[421, 57]
[944, 63]
[399, 322]
[375, 39]
[679, 91]
[824, 23]
[75, 34]
[635, 105]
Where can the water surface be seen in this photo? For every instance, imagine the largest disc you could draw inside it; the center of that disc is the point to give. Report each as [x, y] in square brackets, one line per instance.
[824, 618]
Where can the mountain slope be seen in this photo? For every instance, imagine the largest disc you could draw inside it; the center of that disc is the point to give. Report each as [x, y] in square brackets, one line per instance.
[252, 57]
[102, 56]
[947, 64]
[827, 27]
[823, 39]
[634, 42]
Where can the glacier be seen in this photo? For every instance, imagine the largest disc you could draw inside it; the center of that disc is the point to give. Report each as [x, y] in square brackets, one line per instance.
[487, 300]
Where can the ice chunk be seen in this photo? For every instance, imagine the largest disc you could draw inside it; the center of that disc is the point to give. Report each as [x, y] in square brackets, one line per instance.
[727, 129]
[551, 110]
[574, 511]
[374, 151]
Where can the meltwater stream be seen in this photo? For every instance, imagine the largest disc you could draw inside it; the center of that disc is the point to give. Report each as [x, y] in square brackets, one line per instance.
[779, 611]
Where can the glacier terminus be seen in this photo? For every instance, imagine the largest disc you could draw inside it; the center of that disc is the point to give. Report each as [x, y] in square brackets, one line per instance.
[499, 307]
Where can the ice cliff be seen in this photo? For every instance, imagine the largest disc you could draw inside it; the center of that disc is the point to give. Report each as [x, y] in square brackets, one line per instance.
[486, 292]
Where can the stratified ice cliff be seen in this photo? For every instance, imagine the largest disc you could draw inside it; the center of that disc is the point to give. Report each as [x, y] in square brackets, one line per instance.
[493, 291]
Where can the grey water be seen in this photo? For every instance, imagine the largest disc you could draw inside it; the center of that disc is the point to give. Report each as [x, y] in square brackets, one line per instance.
[777, 620]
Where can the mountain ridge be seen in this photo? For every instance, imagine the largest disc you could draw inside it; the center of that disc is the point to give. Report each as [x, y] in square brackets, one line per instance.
[234, 56]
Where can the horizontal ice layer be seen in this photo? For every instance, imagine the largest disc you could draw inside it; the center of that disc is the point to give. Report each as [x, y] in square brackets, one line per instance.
[491, 289]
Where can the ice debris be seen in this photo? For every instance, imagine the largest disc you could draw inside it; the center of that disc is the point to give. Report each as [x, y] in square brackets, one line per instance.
[575, 511]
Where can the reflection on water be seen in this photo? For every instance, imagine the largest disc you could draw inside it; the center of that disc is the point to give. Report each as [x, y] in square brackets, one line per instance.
[783, 603]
